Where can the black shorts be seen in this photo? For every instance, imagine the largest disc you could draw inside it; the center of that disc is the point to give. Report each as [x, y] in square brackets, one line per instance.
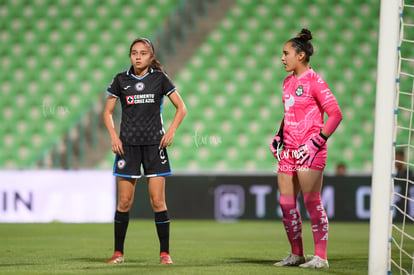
[153, 158]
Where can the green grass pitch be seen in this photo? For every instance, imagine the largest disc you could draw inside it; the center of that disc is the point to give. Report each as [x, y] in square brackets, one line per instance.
[197, 247]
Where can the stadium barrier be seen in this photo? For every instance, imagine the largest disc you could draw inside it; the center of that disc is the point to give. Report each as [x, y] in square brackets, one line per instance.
[231, 198]
[90, 196]
[57, 196]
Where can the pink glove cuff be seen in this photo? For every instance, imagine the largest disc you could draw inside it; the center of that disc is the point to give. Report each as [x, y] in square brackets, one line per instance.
[319, 140]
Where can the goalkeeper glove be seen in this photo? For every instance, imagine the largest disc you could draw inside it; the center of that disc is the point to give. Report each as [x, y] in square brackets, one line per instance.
[277, 143]
[308, 150]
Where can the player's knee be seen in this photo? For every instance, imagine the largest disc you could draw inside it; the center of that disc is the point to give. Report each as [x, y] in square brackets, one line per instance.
[124, 204]
[158, 204]
[287, 202]
[312, 198]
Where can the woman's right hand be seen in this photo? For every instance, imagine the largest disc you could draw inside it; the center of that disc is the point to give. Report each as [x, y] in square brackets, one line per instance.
[276, 144]
[116, 144]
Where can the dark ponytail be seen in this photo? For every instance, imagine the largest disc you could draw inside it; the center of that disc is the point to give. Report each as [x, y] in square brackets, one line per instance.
[155, 64]
[302, 43]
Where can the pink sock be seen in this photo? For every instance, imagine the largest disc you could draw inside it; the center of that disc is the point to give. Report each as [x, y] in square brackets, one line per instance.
[292, 222]
[319, 222]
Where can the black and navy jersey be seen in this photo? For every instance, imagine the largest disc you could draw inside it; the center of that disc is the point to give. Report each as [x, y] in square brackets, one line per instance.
[141, 100]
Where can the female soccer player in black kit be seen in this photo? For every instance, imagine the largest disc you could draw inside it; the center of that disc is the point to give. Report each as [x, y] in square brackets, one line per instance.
[142, 140]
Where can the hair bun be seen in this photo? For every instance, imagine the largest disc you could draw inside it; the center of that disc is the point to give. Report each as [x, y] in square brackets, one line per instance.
[305, 34]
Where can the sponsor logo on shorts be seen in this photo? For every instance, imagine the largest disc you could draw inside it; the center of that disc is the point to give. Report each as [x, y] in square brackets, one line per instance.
[121, 163]
[162, 156]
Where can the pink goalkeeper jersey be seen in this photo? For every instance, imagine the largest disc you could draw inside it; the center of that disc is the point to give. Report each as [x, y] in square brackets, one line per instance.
[305, 100]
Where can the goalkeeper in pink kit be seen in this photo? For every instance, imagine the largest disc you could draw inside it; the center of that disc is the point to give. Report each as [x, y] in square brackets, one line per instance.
[300, 147]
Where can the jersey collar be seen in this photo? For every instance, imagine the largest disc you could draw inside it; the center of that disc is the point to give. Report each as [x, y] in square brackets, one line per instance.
[130, 72]
[308, 71]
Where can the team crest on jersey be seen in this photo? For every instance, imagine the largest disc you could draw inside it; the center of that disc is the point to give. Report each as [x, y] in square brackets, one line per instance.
[299, 90]
[121, 163]
[139, 86]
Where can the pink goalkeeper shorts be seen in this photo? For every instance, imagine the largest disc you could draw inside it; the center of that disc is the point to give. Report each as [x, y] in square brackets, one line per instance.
[287, 162]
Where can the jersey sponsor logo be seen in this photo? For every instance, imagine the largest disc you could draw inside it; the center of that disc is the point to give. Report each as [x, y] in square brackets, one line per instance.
[139, 86]
[130, 99]
[121, 163]
[126, 88]
[289, 101]
[299, 90]
[140, 99]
